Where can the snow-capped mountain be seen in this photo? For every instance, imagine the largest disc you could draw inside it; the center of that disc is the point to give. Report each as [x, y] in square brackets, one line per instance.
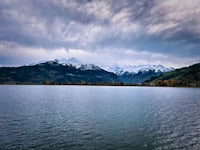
[77, 64]
[137, 74]
[71, 61]
[125, 74]
[119, 70]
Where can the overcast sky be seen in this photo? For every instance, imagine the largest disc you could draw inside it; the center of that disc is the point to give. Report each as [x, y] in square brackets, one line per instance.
[127, 32]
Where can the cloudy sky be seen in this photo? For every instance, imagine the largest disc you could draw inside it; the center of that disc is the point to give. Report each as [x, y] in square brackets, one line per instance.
[127, 32]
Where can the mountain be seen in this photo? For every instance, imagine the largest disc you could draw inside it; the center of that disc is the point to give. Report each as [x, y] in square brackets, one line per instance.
[55, 72]
[73, 62]
[187, 76]
[73, 70]
[119, 70]
[138, 74]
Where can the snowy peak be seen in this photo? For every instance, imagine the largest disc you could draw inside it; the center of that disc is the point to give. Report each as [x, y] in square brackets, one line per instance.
[89, 67]
[63, 61]
[119, 70]
[115, 69]
[71, 61]
[77, 64]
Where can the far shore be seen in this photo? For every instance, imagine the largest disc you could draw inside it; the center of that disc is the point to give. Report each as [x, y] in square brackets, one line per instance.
[105, 84]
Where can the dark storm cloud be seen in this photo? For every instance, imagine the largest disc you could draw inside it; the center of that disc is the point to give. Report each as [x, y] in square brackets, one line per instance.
[165, 27]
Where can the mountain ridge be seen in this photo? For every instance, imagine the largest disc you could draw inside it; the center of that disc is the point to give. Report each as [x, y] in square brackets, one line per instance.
[72, 70]
[117, 69]
[138, 68]
[130, 74]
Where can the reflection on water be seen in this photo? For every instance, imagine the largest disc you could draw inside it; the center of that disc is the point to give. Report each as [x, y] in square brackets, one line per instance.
[92, 117]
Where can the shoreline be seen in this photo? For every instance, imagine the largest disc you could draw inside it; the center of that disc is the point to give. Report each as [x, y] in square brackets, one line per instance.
[105, 85]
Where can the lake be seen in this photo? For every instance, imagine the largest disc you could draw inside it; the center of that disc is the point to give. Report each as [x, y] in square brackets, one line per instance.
[99, 117]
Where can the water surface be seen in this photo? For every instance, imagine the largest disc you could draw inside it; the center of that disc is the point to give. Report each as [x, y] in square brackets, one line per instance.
[98, 117]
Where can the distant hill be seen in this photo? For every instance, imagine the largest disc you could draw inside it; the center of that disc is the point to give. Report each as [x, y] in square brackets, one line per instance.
[187, 76]
[52, 72]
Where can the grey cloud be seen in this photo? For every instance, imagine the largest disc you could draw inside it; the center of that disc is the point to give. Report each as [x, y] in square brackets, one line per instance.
[167, 27]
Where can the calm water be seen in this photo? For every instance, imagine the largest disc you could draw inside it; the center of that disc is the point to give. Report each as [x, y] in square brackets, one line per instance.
[92, 117]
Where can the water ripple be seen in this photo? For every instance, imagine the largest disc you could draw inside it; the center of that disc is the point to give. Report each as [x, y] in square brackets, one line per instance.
[73, 117]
